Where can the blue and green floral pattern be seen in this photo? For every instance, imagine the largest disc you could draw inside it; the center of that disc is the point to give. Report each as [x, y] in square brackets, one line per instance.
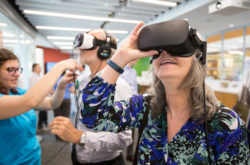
[227, 133]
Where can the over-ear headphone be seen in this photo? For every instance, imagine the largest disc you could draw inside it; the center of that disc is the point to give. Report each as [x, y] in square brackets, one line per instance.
[104, 51]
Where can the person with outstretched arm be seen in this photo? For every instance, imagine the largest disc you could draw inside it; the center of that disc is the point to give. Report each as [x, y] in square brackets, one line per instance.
[18, 141]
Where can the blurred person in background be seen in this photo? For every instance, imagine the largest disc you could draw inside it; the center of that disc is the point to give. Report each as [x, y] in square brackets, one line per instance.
[64, 108]
[34, 78]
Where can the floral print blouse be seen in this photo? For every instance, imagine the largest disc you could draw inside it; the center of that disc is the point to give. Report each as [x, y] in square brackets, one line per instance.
[227, 136]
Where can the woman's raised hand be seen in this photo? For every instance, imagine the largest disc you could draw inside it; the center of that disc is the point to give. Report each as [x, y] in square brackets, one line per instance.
[69, 64]
[129, 51]
[67, 78]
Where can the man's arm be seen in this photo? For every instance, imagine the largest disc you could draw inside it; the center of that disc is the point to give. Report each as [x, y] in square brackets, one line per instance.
[101, 141]
[63, 127]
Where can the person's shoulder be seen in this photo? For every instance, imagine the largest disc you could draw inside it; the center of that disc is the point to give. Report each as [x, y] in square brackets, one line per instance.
[225, 119]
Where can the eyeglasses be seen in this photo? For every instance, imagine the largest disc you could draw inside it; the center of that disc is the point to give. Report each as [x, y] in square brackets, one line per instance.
[13, 70]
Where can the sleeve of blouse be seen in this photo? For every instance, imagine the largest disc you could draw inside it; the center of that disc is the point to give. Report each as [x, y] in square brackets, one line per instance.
[100, 112]
[231, 143]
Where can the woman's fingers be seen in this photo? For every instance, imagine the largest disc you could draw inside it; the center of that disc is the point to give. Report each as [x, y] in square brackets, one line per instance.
[71, 64]
[137, 29]
[69, 77]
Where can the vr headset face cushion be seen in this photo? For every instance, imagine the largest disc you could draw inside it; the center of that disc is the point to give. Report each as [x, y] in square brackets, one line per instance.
[84, 41]
[171, 36]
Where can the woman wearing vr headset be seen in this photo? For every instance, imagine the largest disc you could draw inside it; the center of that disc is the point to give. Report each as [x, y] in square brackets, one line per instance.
[182, 124]
[18, 141]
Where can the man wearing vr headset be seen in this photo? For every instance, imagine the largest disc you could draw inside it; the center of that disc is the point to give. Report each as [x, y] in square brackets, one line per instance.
[181, 121]
[91, 147]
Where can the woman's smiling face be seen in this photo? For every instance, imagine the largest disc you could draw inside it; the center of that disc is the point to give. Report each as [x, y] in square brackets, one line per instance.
[8, 79]
[171, 67]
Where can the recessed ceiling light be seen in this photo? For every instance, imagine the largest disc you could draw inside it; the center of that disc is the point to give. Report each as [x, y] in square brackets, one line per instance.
[10, 41]
[64, 38]
[231, 25]
[77, 29]
[66, 47]
[157, 2]
[63, 43]
[61, 28]
[117, 31]
[3, 24]
[60, 38]
[84, 17]
[9, 34]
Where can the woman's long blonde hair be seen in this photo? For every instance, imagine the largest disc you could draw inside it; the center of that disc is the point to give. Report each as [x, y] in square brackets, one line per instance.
[193, 81]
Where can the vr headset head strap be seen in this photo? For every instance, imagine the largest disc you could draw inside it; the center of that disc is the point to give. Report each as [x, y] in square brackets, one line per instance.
[201, 45]
[102, 42]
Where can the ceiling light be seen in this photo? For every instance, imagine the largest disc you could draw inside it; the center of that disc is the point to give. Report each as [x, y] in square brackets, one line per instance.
[27, 41]
[10, 41]
[61, 28]
[8, 34]
[231, 25]
[157, 2]
[117, 31]
[77, 29]
[60, 38]
[84, 17]
[66, 47]
[3, 24]
[65, 38]
[63, 43]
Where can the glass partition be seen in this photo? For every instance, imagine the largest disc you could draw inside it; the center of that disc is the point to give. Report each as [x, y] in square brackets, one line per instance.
[214, 56]
[20, 43]
[225, 55]
[233, 55]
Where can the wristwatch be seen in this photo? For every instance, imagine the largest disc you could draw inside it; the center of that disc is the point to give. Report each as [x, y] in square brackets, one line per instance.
[83, 138]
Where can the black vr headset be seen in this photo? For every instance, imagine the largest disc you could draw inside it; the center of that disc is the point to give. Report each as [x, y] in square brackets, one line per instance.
[175, 37]
[88, 42]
